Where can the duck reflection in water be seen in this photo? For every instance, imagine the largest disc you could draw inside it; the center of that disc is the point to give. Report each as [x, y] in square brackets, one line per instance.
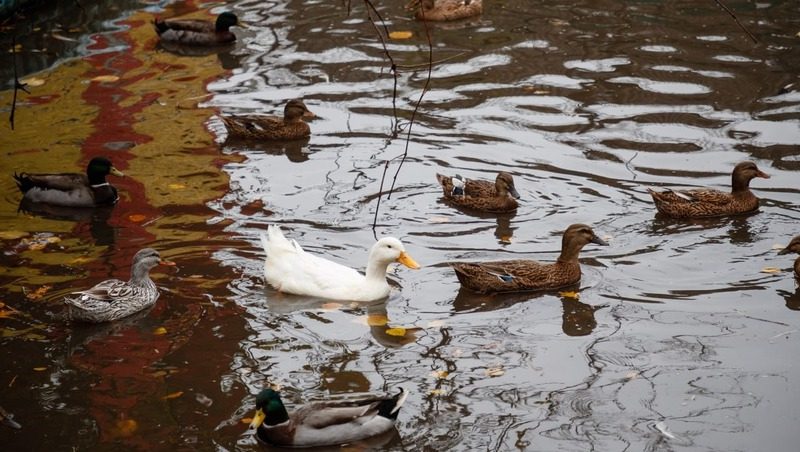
[296, 151]
[738, 226]
[96, 218]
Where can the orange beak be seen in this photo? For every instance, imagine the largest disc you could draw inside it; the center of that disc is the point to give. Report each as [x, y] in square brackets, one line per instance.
[167, 263]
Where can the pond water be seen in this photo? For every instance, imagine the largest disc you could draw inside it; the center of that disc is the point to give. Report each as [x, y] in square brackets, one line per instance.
[678, 339]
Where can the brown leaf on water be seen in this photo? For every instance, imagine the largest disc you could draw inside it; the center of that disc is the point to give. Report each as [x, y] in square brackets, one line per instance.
[439, 374]
[400, 35]
[173, 395]
[105, 78]
[160, 331]
[494, 371]
[137, 217]
[40, 369]
[570, 294]
[38, 293]
[126, 427]
[770, 270]
[176, 186]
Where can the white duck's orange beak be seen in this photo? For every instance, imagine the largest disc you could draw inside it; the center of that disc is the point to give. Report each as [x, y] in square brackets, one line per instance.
[406, 260]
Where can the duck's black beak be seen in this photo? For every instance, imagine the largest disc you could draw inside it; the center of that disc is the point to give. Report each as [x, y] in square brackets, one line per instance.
[513, 191]
[784, 251]
[598, 241]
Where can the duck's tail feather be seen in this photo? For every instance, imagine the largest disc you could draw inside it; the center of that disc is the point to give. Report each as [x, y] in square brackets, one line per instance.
[390, 408]
[160, 25]
[24, 183]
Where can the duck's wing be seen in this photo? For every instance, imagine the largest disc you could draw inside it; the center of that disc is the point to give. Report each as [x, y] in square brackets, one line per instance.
[706, 196]
[479, 188]
[501, 276]
[253, 124]
[61, 182]
[106, 292]
[349, 410]
[196, 25]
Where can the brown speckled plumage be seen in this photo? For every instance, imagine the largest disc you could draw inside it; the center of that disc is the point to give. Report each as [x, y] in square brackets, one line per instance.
[709, 202]
[525, 275]
[290, 127]
[794, 247]
[196, 32]
[497, 197]
[443, 10]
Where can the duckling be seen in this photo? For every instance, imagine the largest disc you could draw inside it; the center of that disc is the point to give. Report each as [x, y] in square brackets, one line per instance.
[497, 197]
[114, 299]
[442, 10]
[526, 275]
[71, 189]
[793, 247]
[290, 269]
[257, 127]
[325, 423]
[707, 202]
[197, 32]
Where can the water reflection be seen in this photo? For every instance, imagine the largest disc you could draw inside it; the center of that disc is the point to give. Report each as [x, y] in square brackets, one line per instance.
[96, 218]
[296, 151]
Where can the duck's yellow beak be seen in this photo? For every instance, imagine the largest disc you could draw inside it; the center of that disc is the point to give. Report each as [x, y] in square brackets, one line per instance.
[258, 419]
[406, 260]
[116, 172]
[167, 263]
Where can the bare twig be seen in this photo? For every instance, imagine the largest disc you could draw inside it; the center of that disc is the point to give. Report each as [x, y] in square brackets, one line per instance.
[722, 5]
[17, 84]
[393, 68]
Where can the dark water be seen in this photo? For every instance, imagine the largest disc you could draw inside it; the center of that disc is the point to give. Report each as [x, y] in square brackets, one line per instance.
[678, 341]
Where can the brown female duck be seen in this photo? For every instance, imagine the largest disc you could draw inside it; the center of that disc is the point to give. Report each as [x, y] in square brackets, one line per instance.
[707, 202]
[794, 247]
[525, 275]
[197, 32]
[497, 197]
[442, 10]
[255, 127]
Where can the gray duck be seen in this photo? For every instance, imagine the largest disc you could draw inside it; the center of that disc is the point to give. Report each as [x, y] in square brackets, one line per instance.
[707, 202]
[793, 247]
[499, 196]
[527, 275]
[443, 10]
[71, 189]
[114, 299]
[325, 423]
[271, 128]
[197, 32]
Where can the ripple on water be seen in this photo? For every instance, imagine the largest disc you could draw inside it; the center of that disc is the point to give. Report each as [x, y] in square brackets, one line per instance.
[680, 88]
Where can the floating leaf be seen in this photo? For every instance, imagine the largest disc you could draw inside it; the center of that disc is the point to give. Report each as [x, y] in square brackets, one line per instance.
[332, 306]
[53, 239]
[494, 371]
[12, 235]
[246, 420]
[377, 319]
[80, 260]
[440, 374]
[770, 270]
[505, 239]
[33, 81]
[38, 293]
[176, 186]
[173, 395]
[439, 219]
[137, 217]
[437, 392]
[160, 331]
[40, 369]
[398, 331]
[159, 373]
[400, 35]
[37, 246]
[105, 78]
[632, 375]
[127, 427]
[574, 295]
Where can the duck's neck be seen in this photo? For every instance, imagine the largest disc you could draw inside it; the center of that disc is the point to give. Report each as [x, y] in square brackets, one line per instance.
[140, 276]
[739, 185]
[96, 178]
[569, 254]
[276, 414]
[376, 271]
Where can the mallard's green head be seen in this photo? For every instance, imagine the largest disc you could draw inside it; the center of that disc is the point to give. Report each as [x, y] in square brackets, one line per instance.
[99, 168]
[269, 408]
[225, 21]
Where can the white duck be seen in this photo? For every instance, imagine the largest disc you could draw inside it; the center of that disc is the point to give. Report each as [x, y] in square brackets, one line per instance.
[290, 269]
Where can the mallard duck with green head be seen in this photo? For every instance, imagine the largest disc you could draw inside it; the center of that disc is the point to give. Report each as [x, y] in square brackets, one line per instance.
[71, 189]
[526, 275]
[271, 128]
[325, 423]
[444, 10]
[497, 197]
[197, 32]
[708, 202]
[793, 247]
[114, 299]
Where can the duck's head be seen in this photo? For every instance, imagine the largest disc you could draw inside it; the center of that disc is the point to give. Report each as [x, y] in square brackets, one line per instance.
[270, 407]
[578, 235]
[225, 21]
[388, 250]
[792, 247]
[100, 167]
[504, 183]
[296, 109]
[743, 173]
[148, 258]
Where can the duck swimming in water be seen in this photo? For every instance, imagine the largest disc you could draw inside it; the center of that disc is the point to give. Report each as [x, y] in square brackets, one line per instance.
[71, 189]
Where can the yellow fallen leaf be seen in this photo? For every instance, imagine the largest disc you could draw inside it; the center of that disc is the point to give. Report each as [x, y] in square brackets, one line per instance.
[39, 369]
[105, 78]
[159, 373]
[38, 293]
[437, 392]
[127, 427]
[174, 395]
[12, 235]
[17, 48]
[246, 420]
[440, 374]
[33, 81]
[37, 246]
[574, 295]
[80, 260]
[377, 319]
[400, 35]
[494, 371]
[53, 239]
[176, 186]
[137, 217]
[160, 331]
[399, 331]
[770, 270]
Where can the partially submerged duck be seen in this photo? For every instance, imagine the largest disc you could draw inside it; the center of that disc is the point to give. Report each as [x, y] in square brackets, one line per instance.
[197, 32]
[497, 197]
[71, 189]
[325, 423]
[258, 127]
[793, 247]
[114, 299]
[527, 275]
[443, 10]
[707, 202]
[290, 269]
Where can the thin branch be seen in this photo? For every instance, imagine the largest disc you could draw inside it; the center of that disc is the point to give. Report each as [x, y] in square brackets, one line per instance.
[17, 84]
[722, 5]
[393, 68]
